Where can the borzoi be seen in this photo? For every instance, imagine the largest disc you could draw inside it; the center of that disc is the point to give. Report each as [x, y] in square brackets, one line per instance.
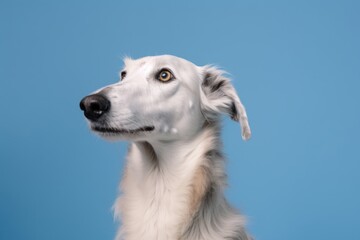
[174, 179]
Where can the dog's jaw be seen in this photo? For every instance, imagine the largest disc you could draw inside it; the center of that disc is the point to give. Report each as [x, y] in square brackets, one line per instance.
[110, 130]
[122, 134]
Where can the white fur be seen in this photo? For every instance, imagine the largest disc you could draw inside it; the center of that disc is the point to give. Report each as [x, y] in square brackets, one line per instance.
[158, 181]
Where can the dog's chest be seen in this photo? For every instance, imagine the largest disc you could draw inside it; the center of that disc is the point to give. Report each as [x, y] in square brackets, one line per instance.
[154, 209]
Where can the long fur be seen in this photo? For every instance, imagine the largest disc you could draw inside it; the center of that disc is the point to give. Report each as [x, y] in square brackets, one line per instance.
[174, 179]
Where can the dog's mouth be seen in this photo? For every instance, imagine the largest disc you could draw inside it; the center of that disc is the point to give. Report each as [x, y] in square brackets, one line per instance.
[111, 130]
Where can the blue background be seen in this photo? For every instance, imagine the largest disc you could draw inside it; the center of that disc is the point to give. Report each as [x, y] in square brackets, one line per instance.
[296, 66]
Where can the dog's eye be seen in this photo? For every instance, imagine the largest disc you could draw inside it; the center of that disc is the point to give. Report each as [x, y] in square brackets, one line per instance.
[123, 75]
[165, 75]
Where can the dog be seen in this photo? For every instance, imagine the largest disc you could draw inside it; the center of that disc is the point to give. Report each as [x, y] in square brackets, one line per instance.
[174, 179]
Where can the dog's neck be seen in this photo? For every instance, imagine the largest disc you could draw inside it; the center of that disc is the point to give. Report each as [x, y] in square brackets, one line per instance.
[164, 183]
[179, 157]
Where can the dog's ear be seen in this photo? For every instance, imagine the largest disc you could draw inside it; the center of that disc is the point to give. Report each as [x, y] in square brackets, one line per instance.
[219, 96]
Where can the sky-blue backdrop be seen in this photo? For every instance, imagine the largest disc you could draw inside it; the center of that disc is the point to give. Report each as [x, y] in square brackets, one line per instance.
[295, 64]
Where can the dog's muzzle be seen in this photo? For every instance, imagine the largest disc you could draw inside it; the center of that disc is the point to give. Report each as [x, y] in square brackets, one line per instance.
[94, 106]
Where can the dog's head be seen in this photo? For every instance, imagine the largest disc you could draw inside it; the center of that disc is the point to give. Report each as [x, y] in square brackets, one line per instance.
[162, 98]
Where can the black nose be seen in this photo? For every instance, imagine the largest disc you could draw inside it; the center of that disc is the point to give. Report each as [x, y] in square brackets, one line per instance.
[94, 106]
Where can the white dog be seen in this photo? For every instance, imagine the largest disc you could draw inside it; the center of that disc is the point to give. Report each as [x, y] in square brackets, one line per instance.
[174, 178]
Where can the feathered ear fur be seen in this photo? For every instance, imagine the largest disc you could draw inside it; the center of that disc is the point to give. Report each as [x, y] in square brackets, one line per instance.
[219, 96]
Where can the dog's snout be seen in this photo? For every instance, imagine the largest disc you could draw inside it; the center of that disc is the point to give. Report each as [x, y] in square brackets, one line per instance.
[94, 106]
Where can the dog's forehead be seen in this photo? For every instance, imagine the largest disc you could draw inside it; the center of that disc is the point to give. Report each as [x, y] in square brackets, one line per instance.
[156, 62]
